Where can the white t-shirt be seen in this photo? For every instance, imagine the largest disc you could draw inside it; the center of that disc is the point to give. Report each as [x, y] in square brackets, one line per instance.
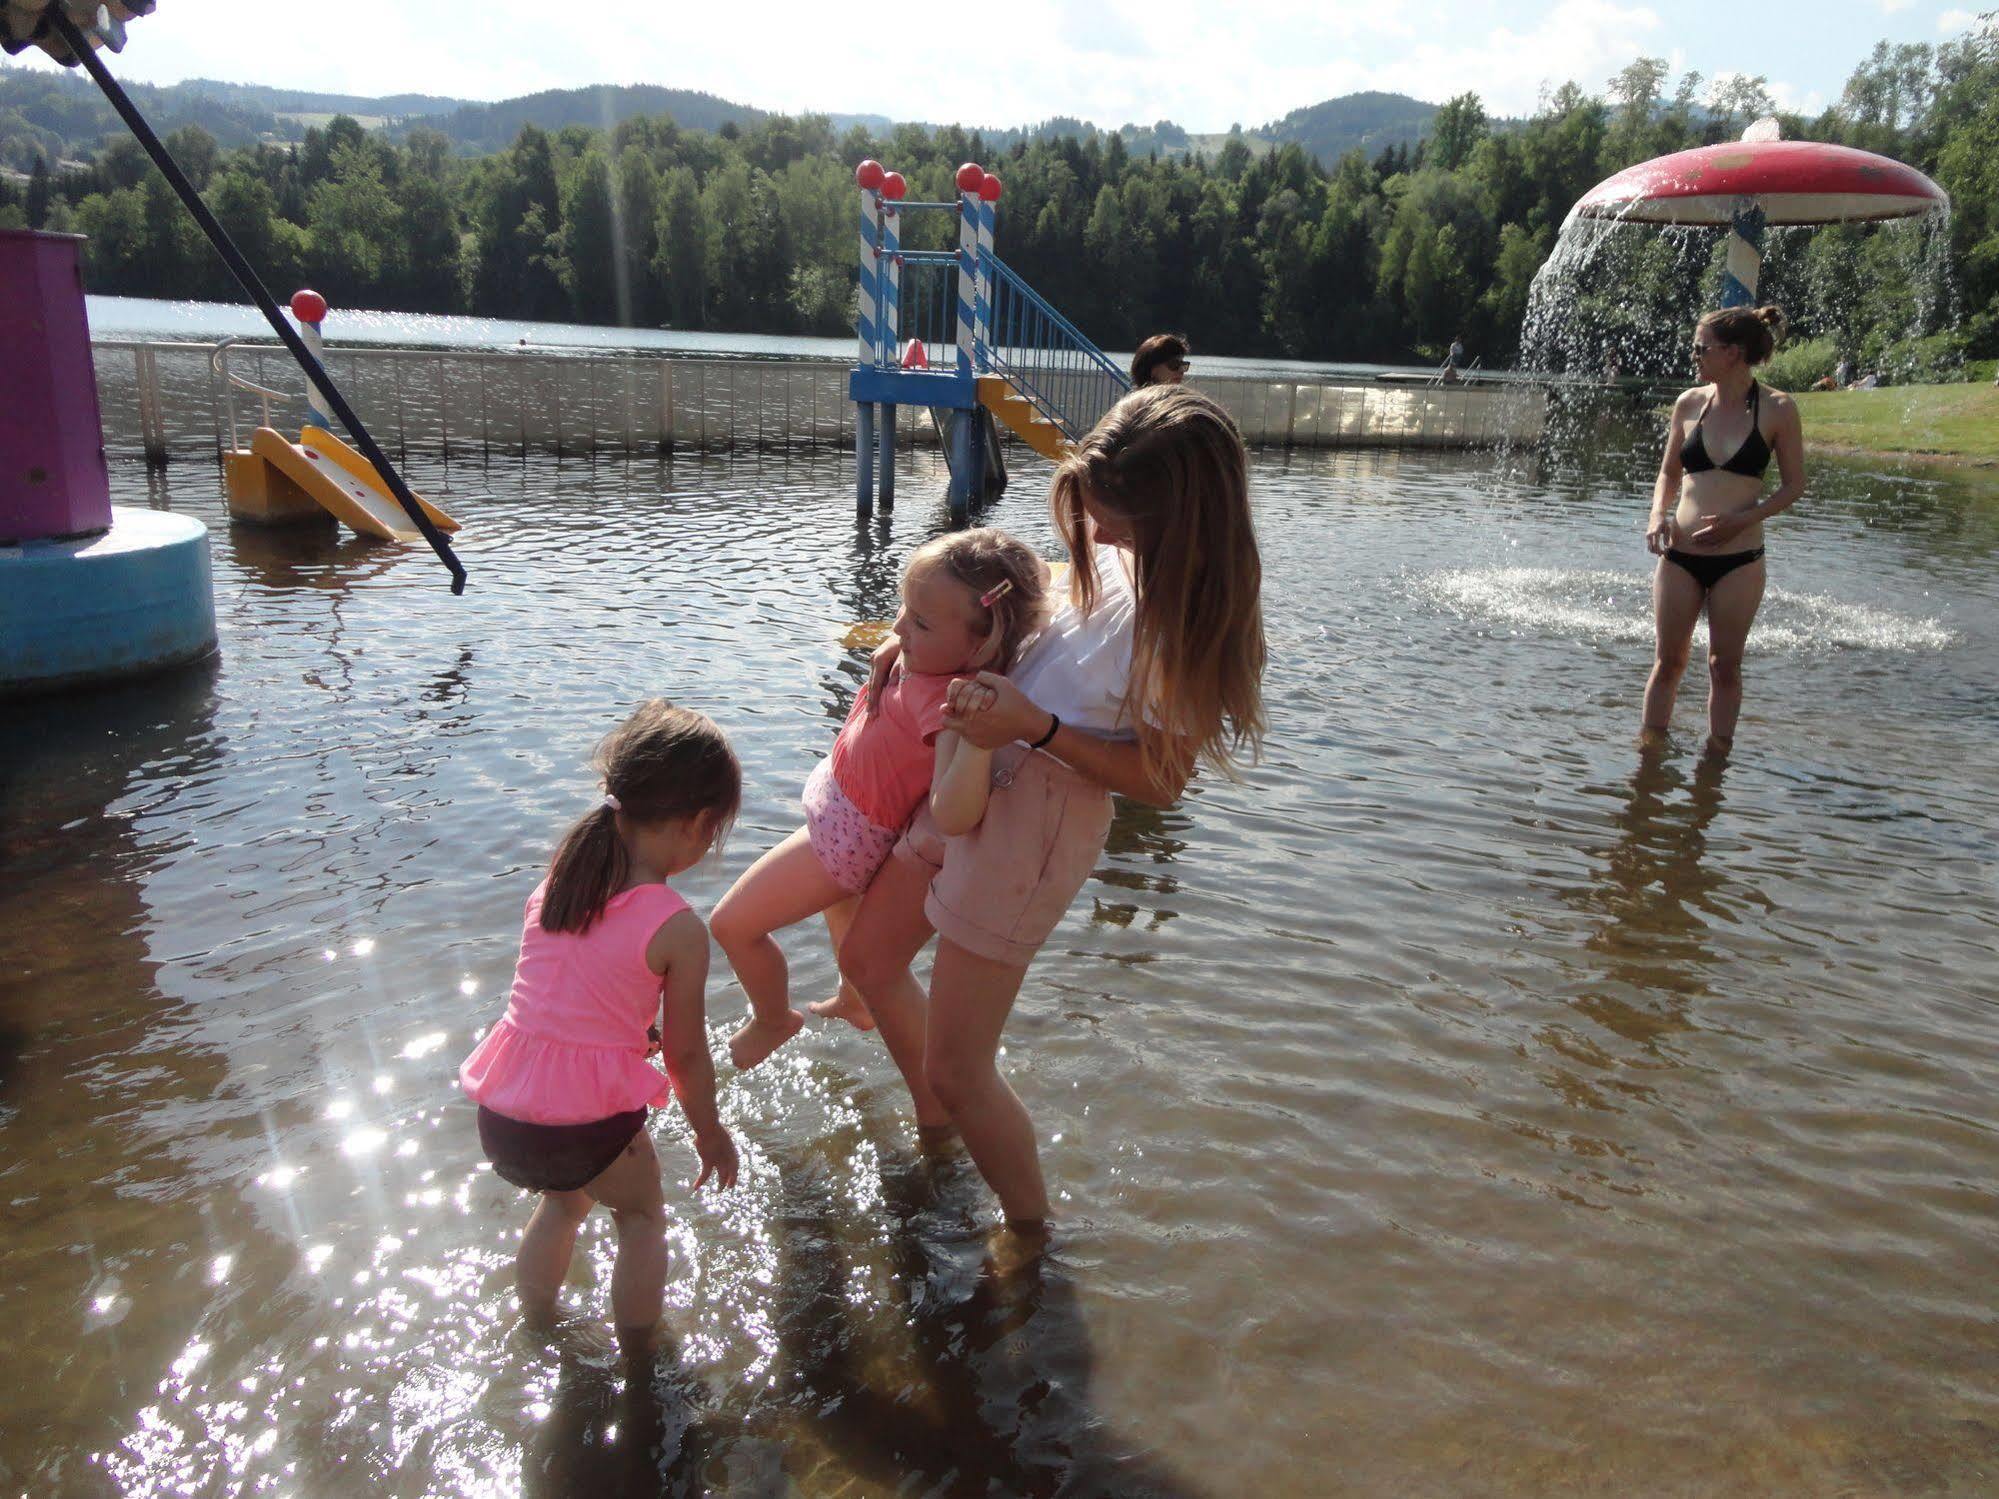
[1079, 665]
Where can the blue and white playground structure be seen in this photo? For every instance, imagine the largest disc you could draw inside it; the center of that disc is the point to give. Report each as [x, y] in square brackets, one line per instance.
[983, 346]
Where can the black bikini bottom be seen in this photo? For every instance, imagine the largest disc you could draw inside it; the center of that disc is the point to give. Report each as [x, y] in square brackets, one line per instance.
[1708, 569]
[555, 1157]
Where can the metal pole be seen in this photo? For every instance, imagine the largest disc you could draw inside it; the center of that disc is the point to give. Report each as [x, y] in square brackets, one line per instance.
[887, 439]
[864, 459]
[247, 279]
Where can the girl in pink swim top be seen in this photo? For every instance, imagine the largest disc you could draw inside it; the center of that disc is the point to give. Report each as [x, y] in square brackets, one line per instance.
[562, 1082]
[970, 599]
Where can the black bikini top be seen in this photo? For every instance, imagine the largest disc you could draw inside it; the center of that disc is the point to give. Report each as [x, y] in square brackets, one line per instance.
[1752, 458]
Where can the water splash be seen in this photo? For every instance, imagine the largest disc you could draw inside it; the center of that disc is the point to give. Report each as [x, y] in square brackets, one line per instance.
[1617, 607]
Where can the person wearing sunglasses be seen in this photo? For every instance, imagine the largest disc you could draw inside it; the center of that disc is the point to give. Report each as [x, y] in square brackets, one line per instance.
[1708, 512]
[1160, 360]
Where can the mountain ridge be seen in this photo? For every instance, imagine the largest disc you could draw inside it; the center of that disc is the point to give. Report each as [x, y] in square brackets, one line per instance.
[61, 115]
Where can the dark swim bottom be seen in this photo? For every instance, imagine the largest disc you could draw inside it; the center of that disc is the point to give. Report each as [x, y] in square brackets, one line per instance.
[555, 1157]
[1708, 569]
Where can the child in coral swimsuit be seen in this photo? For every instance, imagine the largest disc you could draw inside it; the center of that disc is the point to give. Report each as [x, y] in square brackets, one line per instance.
[562, 1082]
[970, 599]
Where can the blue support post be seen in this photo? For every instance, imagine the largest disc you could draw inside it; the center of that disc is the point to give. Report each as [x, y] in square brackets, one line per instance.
[885, 435]
[864, 458]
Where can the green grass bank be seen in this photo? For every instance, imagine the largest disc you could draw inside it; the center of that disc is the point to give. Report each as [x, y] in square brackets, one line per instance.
[1950, 422]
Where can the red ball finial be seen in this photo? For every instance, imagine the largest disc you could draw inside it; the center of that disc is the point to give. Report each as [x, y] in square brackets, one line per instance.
[970, 176]
[868, 175]
[990, 188]
[893, 187]
[308, 306]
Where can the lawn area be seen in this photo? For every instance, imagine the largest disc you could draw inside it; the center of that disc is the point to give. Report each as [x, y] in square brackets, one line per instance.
[1944, 421]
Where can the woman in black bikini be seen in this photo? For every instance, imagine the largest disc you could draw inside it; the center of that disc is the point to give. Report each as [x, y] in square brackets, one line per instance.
[1707, 515]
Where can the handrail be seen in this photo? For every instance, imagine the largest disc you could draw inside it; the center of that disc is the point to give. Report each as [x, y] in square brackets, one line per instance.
[1046, 358]
[1083, 344]
[218, 364]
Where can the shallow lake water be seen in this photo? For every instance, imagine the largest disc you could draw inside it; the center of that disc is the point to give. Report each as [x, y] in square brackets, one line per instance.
[1463, 1104]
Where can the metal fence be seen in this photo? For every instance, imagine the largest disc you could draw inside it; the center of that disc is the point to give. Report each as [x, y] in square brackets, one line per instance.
[162, 400]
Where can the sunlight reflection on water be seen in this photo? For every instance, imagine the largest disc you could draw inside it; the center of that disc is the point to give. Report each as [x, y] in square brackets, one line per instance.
[1458, 1089]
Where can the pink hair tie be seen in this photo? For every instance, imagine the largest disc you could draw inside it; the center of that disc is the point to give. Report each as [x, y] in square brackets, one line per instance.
[612, 804]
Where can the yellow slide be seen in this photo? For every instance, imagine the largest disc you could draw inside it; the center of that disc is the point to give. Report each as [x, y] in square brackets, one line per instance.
[344, 482]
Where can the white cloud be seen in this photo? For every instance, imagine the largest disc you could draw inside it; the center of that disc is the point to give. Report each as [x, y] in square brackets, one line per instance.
[1793, 100]
[1890, 7]
[1951, 22]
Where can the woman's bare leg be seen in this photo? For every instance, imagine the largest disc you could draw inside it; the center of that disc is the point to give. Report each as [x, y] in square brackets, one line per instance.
[888, 931]
[971, 997]
[847, 1004]
[1731, 609]
[1676, 605]
[784, 887]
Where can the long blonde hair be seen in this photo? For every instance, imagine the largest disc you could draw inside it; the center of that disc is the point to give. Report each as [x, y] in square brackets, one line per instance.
[1168, 462]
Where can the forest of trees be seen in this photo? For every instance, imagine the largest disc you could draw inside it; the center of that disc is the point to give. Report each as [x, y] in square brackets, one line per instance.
[1272, 253]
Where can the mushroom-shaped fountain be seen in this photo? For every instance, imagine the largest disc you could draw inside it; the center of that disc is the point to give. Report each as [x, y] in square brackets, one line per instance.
[1757, 181]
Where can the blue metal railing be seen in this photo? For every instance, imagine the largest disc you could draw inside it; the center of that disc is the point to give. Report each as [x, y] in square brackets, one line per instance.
[929, 307]
[1046, 358]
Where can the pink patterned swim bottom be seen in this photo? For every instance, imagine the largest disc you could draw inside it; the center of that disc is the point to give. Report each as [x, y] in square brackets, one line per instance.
[851, 846]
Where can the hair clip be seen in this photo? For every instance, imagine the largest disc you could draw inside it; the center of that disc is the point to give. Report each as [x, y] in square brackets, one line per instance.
[995, 593]
[611, 803]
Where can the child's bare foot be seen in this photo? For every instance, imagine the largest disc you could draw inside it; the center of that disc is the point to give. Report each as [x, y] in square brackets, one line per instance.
[760, 1038]
[847, 1005]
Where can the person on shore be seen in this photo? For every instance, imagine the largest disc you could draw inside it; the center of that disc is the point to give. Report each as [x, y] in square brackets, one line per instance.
[1842, 373]
[969, 600]
[1454, 361]
[1153, 662]
[1707, 513]
[562, 1081]
[1160, 360]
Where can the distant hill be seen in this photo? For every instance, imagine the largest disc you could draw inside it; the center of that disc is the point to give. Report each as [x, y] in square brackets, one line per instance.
[62, 115]
[283, 101]
[1371, 121]
[482, 128]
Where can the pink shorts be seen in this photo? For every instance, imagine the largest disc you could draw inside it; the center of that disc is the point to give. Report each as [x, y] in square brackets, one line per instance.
[1000, 889]
[851, 845]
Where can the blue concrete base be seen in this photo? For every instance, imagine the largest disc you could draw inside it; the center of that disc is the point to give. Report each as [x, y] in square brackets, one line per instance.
[137, 599]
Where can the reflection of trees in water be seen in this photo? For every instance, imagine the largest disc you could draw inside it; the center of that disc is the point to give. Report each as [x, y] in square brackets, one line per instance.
[1139, 835]
[1653, 897]
[961, 1377]
[104, 1216]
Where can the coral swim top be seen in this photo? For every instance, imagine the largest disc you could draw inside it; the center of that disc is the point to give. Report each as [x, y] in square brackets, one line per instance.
[572, 1046]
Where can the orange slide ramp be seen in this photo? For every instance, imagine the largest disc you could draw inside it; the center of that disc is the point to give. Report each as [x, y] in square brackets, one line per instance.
[343, 482]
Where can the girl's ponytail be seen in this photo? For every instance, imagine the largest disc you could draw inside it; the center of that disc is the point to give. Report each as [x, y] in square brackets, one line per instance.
[662, 764]
[590, 866]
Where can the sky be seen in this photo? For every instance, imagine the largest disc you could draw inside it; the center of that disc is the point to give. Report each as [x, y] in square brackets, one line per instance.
[1202, 65]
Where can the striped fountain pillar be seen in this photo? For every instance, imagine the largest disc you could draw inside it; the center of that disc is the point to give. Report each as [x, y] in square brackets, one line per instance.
[867, 328]
[983, 290]
[964, 481]
[1744, 265]
[968, 284]
[891, 335]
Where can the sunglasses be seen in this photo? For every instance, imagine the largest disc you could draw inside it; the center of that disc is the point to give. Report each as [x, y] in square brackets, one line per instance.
[1178, 366]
